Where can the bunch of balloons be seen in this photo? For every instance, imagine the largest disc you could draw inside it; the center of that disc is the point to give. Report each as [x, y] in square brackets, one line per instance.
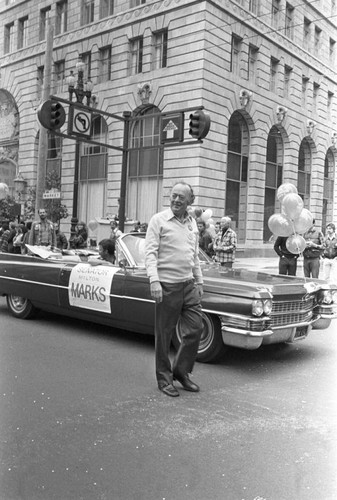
[3, 191]
[206, 216]
[93, 225]
[293, 221]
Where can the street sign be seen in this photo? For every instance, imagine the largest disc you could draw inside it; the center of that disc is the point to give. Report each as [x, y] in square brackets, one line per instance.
[172, 127]
[52, 194]
[79, 122]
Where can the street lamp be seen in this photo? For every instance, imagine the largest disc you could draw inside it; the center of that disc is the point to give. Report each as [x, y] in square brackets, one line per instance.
[80, 89]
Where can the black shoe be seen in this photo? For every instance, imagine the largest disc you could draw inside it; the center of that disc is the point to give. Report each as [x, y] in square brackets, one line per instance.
[187, 384]
[169, 390]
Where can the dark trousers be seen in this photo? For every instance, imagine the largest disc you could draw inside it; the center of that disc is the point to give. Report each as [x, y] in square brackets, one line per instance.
[180, 301]
[287, 265]
[311, 267]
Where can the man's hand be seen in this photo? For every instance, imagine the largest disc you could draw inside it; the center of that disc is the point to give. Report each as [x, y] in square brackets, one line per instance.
[156, 291]
[200, 289]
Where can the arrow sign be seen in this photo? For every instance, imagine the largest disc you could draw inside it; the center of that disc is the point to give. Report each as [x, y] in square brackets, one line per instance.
[79, 122]
[172, 127]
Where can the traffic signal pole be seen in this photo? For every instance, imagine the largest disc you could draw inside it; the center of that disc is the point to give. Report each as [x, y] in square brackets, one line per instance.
[43, 135]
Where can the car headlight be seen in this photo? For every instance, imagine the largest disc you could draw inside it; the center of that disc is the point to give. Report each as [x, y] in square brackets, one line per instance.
[325, 297]
[260, 307]
[334, 296]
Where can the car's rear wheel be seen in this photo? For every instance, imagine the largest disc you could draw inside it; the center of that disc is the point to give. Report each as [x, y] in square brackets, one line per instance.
[20, 307]
[211, 346]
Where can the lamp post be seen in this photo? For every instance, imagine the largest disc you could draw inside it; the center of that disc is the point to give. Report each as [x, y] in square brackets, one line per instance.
[80, 90]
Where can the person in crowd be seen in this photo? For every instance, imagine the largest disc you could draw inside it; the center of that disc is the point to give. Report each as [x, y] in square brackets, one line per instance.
[173, 267]
[12, 233]
[205, 239]
[225, 244]
[106, 250]
[217, 227]
[4, 237]
[18, 238]
[42, 231]
[143, 227]
[330, 253]
[80, 238]
[312, 252]
[26, 237]
[61, 239]
[115, 231]
[136, 227]
[288, 260]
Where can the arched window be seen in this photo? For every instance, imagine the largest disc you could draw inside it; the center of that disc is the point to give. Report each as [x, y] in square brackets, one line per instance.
[144, 195]
[328, 189]
[93, 173]
[304, 172]
[237, 174]
[274, 175]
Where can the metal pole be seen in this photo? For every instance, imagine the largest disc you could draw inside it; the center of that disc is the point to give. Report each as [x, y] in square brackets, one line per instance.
[43, 135]
[121, 211]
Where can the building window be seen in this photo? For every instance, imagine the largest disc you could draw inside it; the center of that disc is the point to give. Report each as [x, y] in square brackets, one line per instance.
[329, 104]
[40, 79]
[104, 69]
[59, 79]
[274, 176]
[304, 172]
[305, 81]
[317, 41]
[159, 59]
[235, 55]
[253, 6]
[61, 21]
[289, 21]
[45, 15]
[86, 59]
[136, 55]
[275, 13]
[328, 188]
[306, 33]
[237, 174]
[9, 38]
[332, 51]
[273, 74]
[23, 32]
[287, 80]
[93, 173]
[106, 8]
[315, 96]
[54, 157]
[145, 167]
[135, 3]
[252, 63]
[87, 12]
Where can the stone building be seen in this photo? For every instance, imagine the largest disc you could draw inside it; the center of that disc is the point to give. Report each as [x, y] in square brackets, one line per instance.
[264, 70]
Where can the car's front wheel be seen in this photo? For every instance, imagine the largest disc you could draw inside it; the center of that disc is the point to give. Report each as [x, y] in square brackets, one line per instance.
[20, 307]
[211, 346]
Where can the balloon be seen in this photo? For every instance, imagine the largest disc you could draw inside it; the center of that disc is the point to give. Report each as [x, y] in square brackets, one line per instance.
[3, 190]
[211, 230]
[285, 189]
[207, 214]
[93, 225]
[280, 225]
[191, 211]
[295, 243]
[292, 205]
[303, 222]
[198, 212]
[211, 222]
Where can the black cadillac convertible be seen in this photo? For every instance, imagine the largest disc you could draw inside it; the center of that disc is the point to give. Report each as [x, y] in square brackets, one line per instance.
[241, 308]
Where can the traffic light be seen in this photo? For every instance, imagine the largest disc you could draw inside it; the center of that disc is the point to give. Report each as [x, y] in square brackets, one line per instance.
[199, 125]
[51, 115]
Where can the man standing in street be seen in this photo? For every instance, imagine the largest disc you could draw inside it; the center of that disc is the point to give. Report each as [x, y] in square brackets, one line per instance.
[330, 253]
[288, 261]
[312, 252]
[172, 263]
[225, 244]
[42, 231]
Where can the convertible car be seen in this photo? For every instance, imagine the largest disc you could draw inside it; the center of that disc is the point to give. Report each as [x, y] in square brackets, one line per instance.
[241, 308]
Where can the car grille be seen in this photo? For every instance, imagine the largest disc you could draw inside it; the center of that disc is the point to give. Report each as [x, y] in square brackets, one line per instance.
[292, 312]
